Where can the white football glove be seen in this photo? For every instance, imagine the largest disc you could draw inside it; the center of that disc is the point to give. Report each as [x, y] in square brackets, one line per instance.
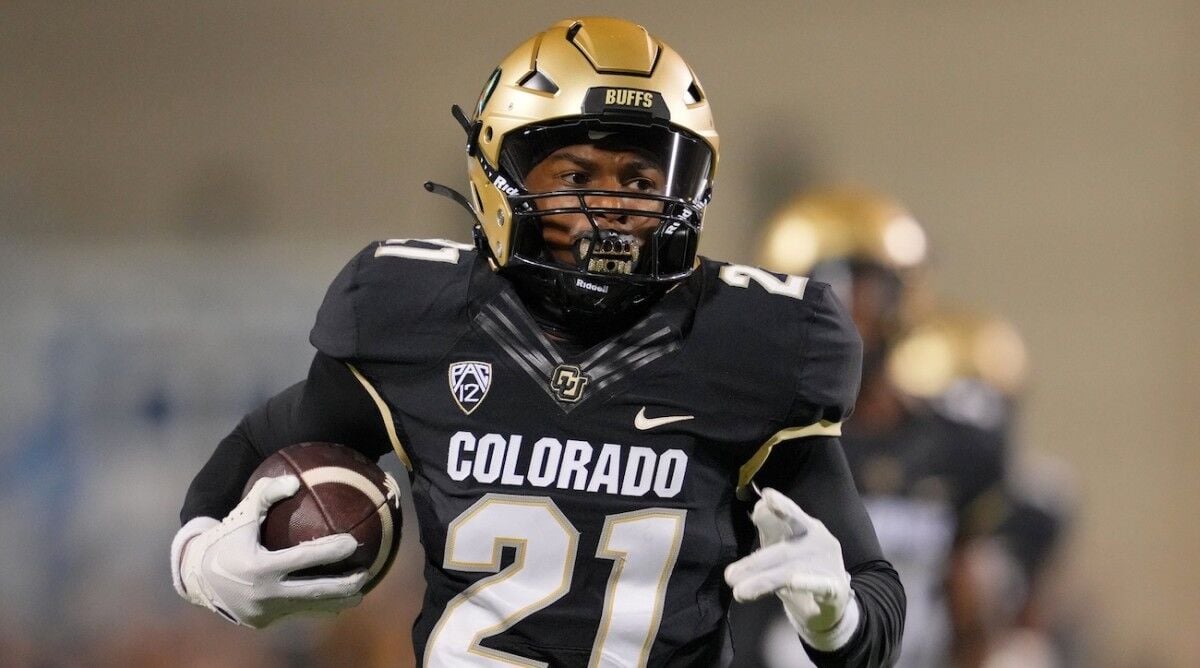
[223, 567]
[801, 562]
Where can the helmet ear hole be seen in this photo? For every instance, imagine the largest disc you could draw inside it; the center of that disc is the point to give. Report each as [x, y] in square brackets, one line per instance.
[487, 133]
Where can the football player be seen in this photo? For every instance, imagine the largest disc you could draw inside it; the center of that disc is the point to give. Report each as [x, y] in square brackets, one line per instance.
[971, 366]
[583, 404]
[931, 479]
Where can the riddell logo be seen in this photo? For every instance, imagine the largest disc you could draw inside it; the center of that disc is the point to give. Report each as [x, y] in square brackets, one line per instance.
[602, 289]
[628, 98]
[502, 184]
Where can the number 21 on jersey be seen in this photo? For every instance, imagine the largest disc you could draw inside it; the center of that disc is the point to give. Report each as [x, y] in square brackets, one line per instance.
[642, 544]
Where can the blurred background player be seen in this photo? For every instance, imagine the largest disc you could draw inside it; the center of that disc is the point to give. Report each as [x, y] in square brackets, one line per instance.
[932, 479]
[972, 366]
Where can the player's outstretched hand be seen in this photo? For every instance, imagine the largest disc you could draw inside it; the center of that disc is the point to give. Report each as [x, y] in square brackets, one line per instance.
[223, 567]
[800, 561]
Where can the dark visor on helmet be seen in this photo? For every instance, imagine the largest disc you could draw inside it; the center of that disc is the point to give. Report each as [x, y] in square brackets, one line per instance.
[676, 200]
[684, 159]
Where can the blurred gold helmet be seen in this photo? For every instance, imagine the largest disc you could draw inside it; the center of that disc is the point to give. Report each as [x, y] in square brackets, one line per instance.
[844, 224]
[606, 82]
[865, 245]
[953, 345]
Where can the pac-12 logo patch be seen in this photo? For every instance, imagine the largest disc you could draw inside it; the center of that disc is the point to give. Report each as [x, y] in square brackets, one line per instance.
[469, 383]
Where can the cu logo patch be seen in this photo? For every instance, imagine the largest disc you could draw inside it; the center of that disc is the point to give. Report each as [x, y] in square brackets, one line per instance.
[469, 383]
[568, 382]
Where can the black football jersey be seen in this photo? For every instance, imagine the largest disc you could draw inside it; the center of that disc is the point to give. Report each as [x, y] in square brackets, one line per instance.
[928, 483]
[578, 509]
[933, 460]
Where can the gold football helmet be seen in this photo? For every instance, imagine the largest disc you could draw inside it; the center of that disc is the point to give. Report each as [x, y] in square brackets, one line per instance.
[608, 83]
[949, 346]
[867, 246]
[843, 224]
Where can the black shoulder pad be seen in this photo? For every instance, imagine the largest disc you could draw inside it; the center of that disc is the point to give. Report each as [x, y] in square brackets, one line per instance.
[830, 367]
[399, 300]
[787, 336]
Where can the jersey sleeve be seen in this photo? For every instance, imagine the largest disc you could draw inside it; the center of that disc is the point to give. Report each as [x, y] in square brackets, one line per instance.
[815, 475]
[829, 368]
[336, 331]
[394, 300]
[811, 354]
[330, 405]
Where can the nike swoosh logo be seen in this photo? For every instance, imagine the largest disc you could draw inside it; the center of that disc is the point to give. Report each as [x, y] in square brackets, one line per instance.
[643, 423]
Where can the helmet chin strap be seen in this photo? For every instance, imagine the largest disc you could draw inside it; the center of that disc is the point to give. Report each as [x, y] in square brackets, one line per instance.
[450, 193]
[472, 130]
[565, 312]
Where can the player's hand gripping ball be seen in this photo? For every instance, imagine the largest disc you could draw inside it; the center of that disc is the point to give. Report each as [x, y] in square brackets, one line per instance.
[341, 491]
[317, 527]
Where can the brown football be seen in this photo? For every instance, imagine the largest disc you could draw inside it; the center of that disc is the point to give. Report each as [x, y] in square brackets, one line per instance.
[341, 491]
